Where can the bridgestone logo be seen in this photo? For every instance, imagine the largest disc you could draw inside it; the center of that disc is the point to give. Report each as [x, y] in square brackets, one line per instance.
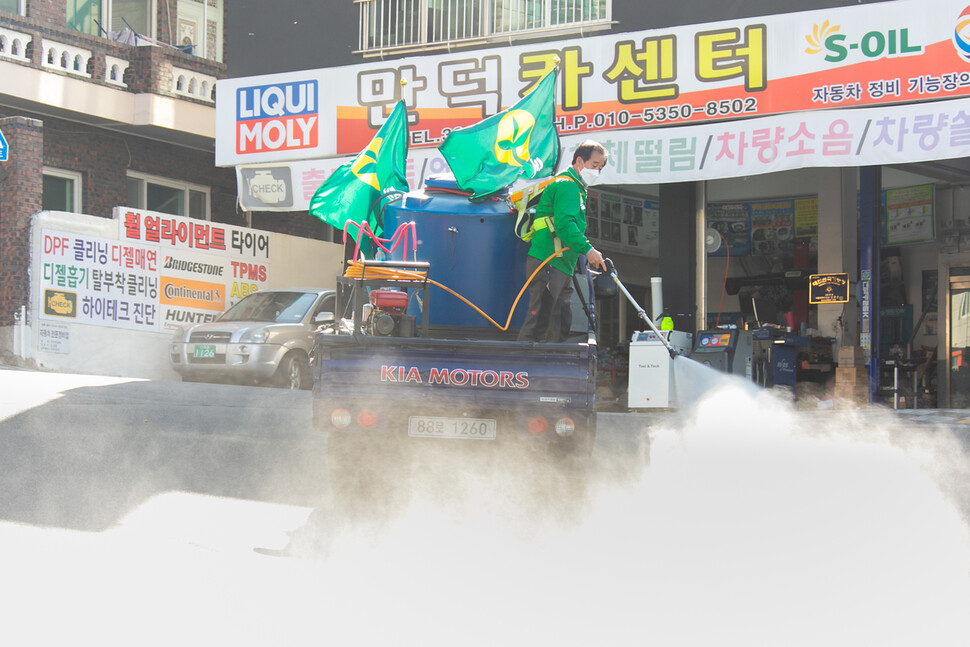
[188, 266]
[180, 292]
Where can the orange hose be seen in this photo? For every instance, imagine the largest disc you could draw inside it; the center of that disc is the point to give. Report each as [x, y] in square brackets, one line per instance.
[355, 270]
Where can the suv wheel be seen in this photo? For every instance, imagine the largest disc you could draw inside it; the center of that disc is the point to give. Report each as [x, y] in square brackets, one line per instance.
[294, 373]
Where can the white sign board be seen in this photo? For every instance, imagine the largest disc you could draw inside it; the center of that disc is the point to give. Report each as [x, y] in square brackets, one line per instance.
[881, 54]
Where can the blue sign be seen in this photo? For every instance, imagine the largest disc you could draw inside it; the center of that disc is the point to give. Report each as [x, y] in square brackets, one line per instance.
[3, 147]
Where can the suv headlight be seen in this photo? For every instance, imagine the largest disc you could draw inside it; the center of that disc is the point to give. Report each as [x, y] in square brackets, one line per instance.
[180, 334]
[254, 336]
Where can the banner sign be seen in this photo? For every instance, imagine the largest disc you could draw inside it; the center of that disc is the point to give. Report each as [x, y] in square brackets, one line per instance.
[177, 270]
[831, 138]
[862, 55]
[98, 281]
[203, 268]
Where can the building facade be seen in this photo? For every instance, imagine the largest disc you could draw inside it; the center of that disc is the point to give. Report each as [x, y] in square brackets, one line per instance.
[107, 105]
[887, 213]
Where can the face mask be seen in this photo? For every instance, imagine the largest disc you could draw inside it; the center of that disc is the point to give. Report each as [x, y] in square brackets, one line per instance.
[589, 175]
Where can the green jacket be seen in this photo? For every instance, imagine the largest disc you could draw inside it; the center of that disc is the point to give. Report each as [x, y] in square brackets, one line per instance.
[564, 200]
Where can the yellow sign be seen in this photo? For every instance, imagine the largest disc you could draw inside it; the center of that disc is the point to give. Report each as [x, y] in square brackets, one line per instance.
[828, 288]
[60, 303]
[192, 294]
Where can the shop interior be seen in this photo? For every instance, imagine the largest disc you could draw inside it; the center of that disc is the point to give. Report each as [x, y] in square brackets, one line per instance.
[762, 242]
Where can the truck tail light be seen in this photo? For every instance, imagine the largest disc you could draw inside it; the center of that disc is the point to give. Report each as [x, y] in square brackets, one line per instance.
[367, 419]
[340, 418]
[565, 426]
[538, 426]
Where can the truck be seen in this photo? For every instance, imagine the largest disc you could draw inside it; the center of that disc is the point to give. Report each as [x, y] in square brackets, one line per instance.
[401, 390]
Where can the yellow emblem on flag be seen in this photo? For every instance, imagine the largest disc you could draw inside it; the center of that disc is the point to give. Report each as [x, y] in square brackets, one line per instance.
[366, 163]
[512, 138]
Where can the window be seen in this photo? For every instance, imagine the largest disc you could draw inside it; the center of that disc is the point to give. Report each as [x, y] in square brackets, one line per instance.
[12, 6]
[97, 17]
[168, 196]
[199, 28]
[412, 25]
[137, 13]
[62, 191]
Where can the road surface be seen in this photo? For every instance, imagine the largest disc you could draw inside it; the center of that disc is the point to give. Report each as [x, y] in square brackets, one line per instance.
[132, 512]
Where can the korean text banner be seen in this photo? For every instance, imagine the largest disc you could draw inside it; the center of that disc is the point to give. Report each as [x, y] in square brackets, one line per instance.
[864, 55]
[97, 281]
[832, 138]
[202, 268]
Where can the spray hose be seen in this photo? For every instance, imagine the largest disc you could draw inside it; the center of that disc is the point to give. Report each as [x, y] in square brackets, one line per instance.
[355, 270]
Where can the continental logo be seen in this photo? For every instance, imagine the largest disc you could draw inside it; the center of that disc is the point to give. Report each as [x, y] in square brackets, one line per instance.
[192, 294]
[58, 303]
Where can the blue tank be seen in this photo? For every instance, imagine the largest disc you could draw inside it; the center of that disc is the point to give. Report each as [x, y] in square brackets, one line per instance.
[471, 247]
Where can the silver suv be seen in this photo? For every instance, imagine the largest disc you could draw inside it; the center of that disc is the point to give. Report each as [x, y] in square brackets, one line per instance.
[264, 339]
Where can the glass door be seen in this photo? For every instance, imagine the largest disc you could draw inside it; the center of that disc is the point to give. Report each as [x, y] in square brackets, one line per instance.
[958, 356]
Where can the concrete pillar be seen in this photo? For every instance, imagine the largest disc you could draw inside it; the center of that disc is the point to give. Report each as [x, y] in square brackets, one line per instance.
[838, 237]
[678, 236]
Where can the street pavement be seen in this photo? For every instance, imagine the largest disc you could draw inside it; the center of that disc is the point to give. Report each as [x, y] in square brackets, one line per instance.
[133, 512]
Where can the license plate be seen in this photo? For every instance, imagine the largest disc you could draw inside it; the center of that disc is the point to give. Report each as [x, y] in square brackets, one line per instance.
[467, 428]
[204, 351]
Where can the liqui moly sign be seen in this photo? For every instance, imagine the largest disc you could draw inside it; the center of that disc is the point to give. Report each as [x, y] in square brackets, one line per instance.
[277, 117]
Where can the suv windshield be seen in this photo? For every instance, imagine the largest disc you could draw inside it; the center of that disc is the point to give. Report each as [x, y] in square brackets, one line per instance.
[281, 307]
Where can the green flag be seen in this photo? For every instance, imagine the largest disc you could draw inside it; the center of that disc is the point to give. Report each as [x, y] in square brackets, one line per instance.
[356, 190]
[520, 141]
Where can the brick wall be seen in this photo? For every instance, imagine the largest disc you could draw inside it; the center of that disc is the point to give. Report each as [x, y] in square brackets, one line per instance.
[104, 157]
[20, 196]
[47, 12]
[150, 68]
[294, 224]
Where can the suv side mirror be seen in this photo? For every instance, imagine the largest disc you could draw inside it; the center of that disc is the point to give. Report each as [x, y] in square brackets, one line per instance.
[323, 318]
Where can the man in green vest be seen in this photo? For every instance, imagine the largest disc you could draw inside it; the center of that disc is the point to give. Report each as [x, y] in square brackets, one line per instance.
[560, 222]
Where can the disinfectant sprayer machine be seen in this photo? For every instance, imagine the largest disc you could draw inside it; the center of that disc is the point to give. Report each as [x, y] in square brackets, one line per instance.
[652, 353]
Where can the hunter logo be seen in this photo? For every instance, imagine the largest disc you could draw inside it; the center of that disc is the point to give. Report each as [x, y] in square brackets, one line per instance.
[365, 166]
[58, 303]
